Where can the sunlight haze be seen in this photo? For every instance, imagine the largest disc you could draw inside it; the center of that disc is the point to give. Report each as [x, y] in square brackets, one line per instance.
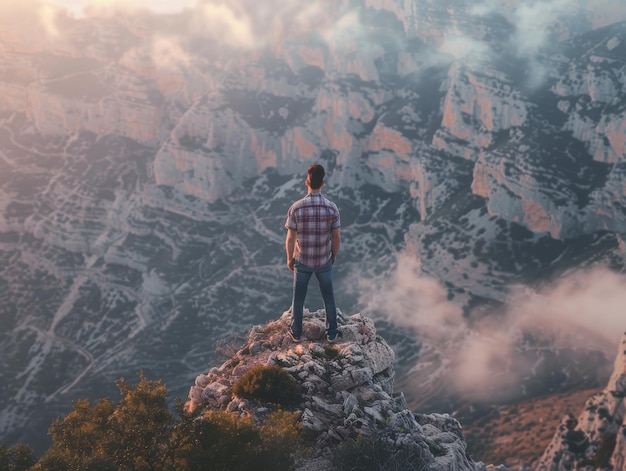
[77, 7]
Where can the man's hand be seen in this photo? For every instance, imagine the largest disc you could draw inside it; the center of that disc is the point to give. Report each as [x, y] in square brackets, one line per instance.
[290, 243]
[335, 243]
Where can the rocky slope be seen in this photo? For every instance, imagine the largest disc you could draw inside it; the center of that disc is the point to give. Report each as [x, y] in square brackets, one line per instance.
[347, 391]
[596, 440]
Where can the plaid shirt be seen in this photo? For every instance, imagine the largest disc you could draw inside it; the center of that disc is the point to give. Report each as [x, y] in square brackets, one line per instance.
[313, 218]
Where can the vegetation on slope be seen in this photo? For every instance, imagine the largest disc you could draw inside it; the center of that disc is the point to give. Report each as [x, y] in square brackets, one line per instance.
[518, 435]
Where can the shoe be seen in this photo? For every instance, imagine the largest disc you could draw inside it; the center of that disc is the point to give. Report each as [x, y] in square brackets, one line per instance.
[334, 338]
[294, 337]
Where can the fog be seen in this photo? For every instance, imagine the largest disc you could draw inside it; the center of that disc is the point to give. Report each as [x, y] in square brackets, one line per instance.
[243, 25]
[583, 311]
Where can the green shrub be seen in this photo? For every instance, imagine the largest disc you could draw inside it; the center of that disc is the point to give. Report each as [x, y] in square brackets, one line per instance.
[268, 384]
[131, 435]
[139, 433]
[372, 453]
[18, 458]
[232, 443]
[331, 351]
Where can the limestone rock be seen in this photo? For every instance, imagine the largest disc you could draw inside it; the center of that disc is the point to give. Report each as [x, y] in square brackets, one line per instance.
[597, 439]
[347, 390]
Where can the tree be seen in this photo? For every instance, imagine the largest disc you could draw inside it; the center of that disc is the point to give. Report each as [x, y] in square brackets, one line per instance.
[233, 443]
[140, 427]
[133, 435]
[139, 433]
[18, 458]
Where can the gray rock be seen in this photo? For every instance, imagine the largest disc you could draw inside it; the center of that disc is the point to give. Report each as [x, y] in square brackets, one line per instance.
[347, 390]
[576, 442]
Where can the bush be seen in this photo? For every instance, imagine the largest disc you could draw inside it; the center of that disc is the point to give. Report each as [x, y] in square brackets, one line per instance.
[374, 453]
[132, 435]
[269, 384]
[18, 458]
[80, 438]
[233, 443]
[140, 433]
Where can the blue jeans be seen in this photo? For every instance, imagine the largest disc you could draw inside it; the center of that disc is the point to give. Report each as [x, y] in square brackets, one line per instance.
[301, 276]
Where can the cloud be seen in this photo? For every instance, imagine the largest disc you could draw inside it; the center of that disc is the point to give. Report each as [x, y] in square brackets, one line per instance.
[414, 301]
[592, 299]
[348, 27]
[534, 23]
[48, 19]
[164, 53]
[169, 54]
[246, 24]
[22, 12]
[462, 47]
[583, 312]
[32, 20]
[80, 8]
[225, 24]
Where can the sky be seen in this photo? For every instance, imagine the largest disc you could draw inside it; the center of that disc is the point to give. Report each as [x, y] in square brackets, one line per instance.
[159, 6]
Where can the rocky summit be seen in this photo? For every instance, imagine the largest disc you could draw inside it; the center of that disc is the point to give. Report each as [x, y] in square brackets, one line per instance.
[347, 391]
[597, 439]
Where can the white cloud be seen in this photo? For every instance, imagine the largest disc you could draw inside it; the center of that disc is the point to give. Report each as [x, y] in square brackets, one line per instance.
[48, 18]
[463, 47]
[348, 27]
[169, 54]
[593, 300]
[225, 24]
[583, 312]
[414, 301]
[533, 22]
[80, 7]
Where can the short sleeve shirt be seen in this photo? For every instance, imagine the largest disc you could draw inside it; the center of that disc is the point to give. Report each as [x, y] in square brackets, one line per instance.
[313, 218]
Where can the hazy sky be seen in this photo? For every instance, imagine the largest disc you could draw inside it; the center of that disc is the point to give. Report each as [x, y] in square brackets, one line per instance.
[161, 6]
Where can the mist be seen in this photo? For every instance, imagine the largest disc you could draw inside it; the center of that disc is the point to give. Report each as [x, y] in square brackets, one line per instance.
[583, 311]
[205, 27]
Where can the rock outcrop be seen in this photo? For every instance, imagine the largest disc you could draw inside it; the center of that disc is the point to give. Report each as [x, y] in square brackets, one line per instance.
[347, 390]
[597, 439]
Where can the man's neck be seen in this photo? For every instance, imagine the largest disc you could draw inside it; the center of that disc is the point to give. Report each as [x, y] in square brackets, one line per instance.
[312, 191]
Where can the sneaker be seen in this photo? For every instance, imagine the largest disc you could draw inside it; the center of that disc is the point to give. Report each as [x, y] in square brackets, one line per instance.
[334, 338]
[294, 337]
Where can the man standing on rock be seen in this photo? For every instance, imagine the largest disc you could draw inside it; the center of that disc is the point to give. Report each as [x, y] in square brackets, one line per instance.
[312, 244]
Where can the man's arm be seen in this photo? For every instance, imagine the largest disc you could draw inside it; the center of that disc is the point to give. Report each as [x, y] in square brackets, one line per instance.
[290, 245]
[335, 242]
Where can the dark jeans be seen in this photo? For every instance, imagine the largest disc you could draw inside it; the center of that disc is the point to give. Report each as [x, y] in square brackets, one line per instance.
[301, 276]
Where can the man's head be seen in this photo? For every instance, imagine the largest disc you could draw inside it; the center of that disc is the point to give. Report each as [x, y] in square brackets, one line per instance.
[315, 177]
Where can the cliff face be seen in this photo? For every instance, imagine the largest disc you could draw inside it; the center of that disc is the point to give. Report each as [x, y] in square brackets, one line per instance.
[382, 96]
[347, 390]
[596, 440]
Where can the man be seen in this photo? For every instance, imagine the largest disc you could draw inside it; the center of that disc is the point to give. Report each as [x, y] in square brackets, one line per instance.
[312, 244]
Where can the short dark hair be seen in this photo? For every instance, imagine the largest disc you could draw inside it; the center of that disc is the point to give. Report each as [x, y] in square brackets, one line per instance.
[316, 176]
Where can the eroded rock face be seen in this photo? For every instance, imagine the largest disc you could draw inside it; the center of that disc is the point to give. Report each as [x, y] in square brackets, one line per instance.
[597, 439]
[347, 389]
